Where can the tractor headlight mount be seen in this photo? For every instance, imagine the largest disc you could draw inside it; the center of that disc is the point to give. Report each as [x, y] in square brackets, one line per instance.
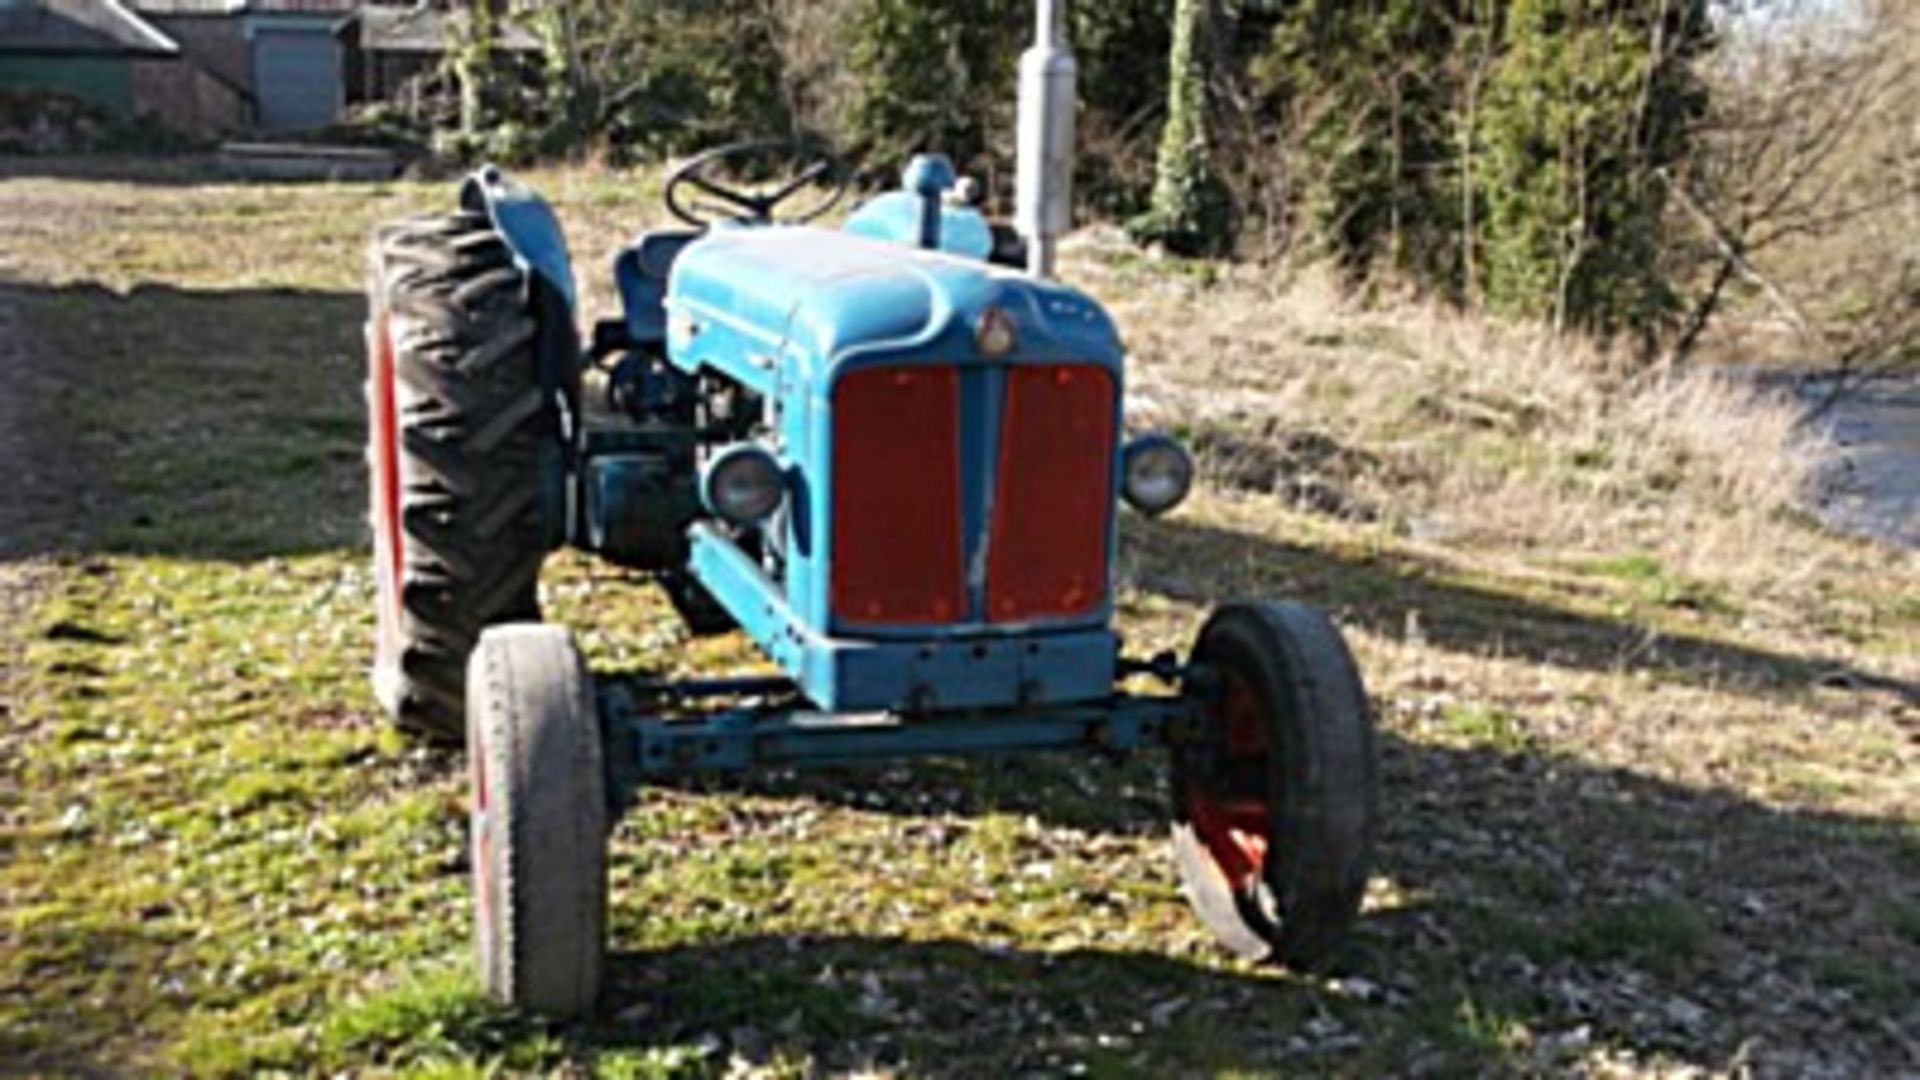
[1156, 474]
[742, 484]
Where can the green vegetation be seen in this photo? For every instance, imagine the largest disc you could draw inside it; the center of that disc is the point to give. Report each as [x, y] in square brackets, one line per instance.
[1674, 173]
[931, 73]
[1479, 1033]
[1505, 151]
[1663, 933]
[213, 860]
[1189, 209]
[1904, 918]
[1590, 106]
[1498, 731]
[1651, 583]
[1370, 88]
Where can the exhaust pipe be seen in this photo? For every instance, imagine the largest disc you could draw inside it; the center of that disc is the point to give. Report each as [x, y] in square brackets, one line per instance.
[1043, 205]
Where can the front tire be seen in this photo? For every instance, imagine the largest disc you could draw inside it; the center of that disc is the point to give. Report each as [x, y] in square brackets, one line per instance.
[1275, 802]
[539, 822]
[459, 442]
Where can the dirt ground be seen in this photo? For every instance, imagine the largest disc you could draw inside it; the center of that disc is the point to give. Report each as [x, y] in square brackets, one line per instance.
[31, 514]
[1651, 811]
[37, 511]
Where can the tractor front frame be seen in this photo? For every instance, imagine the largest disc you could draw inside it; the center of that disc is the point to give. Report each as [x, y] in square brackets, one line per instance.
[654, 730]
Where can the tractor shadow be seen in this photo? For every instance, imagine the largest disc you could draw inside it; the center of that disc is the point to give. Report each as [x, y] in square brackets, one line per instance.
[945, 1008]
[157, 169]
[199, 424]
[1534, 905]
[1531, 905]
[153, 170]
[1206, 565]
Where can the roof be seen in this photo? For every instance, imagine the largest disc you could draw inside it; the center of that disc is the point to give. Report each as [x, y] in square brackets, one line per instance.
[245, 7]
[189, 7]
[421, 30]
[79, 28]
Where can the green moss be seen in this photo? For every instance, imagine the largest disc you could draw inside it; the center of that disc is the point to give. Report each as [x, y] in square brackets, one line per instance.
[1665, 934]
[1651, 583]
[1473, 1036]
[1493, 728]
[1871, 978]
[1903, 918]
[1636, 567]
[1814, 781]
[1907, 608]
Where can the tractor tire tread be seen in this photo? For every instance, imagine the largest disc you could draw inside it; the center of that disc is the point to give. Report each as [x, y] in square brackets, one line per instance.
[474, 435]
[536, 736]
[1324, 740]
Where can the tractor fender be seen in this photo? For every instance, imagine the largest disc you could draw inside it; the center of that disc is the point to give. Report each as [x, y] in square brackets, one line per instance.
[527, 224]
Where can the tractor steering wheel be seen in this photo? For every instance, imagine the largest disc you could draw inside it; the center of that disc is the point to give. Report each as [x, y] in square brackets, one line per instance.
[806, 164]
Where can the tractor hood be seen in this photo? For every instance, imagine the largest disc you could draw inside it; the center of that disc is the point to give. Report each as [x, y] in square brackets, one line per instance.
[813, 298]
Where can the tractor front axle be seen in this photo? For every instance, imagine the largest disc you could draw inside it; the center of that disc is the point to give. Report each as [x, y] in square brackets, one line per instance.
[642, 743]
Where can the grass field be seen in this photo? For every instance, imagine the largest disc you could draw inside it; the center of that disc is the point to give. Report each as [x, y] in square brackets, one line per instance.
[1651, 749]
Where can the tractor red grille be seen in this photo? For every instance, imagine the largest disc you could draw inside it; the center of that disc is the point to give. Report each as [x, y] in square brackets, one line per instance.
[1047, 555]
[896, 496]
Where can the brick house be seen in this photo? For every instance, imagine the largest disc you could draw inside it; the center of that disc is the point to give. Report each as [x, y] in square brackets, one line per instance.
[199, 67]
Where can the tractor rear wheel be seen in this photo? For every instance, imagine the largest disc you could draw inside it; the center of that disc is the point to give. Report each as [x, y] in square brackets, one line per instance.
[539, 821]
[460, 438]
[698, 609]
[1275, 802]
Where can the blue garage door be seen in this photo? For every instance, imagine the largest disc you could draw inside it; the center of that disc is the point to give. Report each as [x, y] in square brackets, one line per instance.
[296, 76]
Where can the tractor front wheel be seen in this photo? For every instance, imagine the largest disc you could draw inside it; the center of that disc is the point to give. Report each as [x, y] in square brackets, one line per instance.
[1275, 799]
[539, 821]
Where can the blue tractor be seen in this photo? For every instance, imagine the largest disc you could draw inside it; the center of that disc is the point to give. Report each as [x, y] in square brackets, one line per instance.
[891, 454]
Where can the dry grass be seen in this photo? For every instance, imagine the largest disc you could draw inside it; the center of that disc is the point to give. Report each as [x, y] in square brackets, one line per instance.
[1649, 735]
[1444, 426]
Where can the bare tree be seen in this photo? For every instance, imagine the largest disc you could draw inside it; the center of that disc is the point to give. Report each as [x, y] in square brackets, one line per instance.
[1809, 157]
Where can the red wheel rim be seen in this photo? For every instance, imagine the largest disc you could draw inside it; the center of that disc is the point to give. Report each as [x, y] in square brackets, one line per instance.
[479, 827]
[388, 555]
[1235, 826]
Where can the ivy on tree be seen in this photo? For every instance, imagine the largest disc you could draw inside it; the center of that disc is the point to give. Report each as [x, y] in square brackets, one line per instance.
[1190, 212]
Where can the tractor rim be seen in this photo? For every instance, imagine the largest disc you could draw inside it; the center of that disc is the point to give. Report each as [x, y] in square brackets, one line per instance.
[1235, 827]
[388, 555]
[479, 827]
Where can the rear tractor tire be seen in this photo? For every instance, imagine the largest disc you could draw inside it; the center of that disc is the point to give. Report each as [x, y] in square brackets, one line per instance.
[460, 440]
[1275, 803]
[539, 822]
[699, 611]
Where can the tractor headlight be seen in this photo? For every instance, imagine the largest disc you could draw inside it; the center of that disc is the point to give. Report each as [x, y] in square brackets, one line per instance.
[742, 484]
[1156, 474]
[995, 333]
